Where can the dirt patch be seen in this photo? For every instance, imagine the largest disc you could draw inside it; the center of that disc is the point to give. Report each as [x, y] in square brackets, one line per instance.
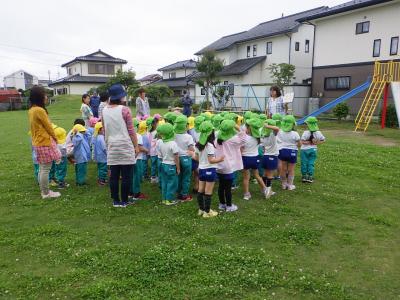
[363, 137]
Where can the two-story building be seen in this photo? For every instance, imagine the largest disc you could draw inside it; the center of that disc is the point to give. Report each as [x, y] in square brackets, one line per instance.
[20, 80]
[247, 55]
[178, 77]
[349, 38]
[86, 72]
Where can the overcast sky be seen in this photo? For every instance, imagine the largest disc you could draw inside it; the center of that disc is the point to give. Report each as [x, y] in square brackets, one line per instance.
[38, 36]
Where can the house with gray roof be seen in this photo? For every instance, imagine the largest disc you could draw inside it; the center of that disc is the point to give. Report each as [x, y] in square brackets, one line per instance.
[179, 77]
[86, 72]
[248, 54]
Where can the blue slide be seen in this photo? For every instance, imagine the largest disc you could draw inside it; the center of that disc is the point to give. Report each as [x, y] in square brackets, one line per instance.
[335, 102]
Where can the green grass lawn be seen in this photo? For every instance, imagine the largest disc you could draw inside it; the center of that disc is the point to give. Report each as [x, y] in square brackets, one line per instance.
[335, 239]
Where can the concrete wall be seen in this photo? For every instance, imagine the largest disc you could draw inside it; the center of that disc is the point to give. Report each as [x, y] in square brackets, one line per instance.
[336, 41]
[76, 88]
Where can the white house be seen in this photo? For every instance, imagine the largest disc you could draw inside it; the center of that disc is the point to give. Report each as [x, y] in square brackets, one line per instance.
[349, 38]
[86, 72]
[248, 54]
[20, 80]
[149, 79]
[178, 76]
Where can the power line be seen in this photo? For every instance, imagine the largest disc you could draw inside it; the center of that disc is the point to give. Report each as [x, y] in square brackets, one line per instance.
[31, 61]
[37, 50]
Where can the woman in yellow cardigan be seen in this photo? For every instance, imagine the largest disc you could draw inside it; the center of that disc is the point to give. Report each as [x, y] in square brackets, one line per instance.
[44, 140]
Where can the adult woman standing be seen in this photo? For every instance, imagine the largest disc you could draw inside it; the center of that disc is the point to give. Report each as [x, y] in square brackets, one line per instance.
[275, 102]
[142, 106]
[121, 142]
[44, 140]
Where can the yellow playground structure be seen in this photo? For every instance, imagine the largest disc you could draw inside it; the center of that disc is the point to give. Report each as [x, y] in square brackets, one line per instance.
[384, 74]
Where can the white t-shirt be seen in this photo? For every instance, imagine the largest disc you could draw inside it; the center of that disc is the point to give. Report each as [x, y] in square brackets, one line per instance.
[196, 136]
[209, 150]
[251, 146]
[158, 148]
[288, 140]
[306, 137]
[141, 155]
[184, 141]
[168, 151]
[270, 144]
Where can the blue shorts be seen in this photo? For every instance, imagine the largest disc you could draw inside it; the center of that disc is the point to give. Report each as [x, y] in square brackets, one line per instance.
[288, 155]
[195, 165]
[229, 176]
[250, 162]
[270, 162]
[208, 175]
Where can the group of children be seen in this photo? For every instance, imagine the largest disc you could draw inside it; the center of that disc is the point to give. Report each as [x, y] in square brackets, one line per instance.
[208, 148]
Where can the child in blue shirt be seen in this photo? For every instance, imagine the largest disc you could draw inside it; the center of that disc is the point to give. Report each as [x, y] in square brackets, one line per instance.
[81, 153]
[100, 154]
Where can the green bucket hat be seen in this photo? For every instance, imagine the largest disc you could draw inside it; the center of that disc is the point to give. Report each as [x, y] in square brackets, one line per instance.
[206, 128]
[149, 121]
[278, 119]
[223, 114]
[231, 116]
[170, 117]
[216, 121]
[166, 131]
[226, 130]
[180, 124]
[255, 125]
[247, 115]
[262, 117]
[206, 117]
[265, 132]
[312, 123]
[288, 123]
[197, 122]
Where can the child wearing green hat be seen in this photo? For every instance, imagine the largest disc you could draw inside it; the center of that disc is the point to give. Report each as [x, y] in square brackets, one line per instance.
[250, 157]
[270, 153]
[230, 140]
[205, 154]
[289, 141]
[308, 151]
[185, 143]
[170, 166]
[195, 164]
[152, 136]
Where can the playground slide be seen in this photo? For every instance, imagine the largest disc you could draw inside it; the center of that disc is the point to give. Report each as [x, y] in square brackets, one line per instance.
[396, 97]
[335, 102]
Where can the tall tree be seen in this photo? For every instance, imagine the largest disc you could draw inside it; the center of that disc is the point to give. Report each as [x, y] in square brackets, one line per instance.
[209, 66]
[282, 74]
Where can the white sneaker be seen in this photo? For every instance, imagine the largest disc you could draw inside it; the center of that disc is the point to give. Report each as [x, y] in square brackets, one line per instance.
[222, 206]
[291, 187]
[247, 196]
[284, 186]
[51, 194]
[210, 214]
[267, 192]
[200, 212]
[231, 208]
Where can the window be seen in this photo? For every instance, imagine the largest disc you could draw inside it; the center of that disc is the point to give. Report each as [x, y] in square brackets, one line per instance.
[394, 45]
[377, 48]
[337, 83]
[254, 50]
[297, 46]
[226, 82]
[69, 71]
[248, 51]
[307, 46]
[172, 75]
[203, 91]
[101, 69]
[269, 47]
[362, 27]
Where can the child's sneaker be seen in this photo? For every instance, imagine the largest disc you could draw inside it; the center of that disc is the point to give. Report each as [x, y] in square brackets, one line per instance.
[304, 179]
[200, 212]
[267, 192]
[131, 201]
[139, 196]
[310, 179]
[247, 196]
[62, 185]
[153, 180]
[186, 198]
[123, 204]
[210, 214]
[222, 206]
[170, 202]
[51, 194]
[277, 177]
[284, 186]
[255, 181]
[234, 187]
[291, 187]
[231, 208]
[116, 204]
[101, 182]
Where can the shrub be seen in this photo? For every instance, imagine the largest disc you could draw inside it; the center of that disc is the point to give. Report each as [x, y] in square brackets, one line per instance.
[341, 111]
[177, 102]
[205, 105]
[391, 117]
[196, 108]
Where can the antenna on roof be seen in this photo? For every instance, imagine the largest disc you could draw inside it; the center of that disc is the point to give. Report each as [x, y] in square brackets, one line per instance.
[282, 15]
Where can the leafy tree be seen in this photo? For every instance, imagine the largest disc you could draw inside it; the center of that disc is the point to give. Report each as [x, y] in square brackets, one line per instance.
[341, 111]
[156, 93]
[282, 74]
[209, 66]
[126, 78]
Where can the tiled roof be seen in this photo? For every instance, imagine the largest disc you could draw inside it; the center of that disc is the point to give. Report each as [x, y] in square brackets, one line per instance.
[80, 79]
[341, 8]
[104, 57]
[269, 28]
[189, 64]
[241, 66]
[175, 82]
[150, 77]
